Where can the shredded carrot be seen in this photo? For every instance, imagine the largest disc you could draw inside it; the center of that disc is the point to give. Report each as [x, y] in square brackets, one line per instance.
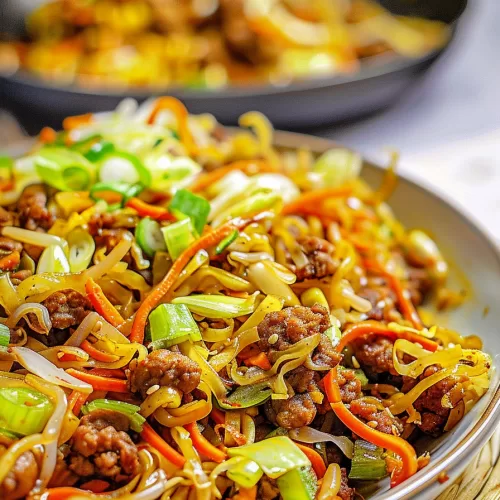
[10, 261]
[202, 445]
[396, 444]
[314, 198]
[97, 354]
[47, 135]
[248, 166]
[404, 300]
[66, 492]
[76, 401]
[146, 210]
[246, 493]
[318, 464]
[108, 372]
[72, 122]
[181, 114]
[357, 330]
[248, 352]
[154, 298]
[101, 304]
[155, 440]
[218, 416]
[260, 360]
[100, 383]
[95, 485]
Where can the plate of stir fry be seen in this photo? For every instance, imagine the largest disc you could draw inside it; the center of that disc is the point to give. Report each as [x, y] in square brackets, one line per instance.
[190, 312]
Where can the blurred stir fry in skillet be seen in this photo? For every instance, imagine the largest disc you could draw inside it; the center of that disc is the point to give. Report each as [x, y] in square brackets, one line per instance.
[191, 313]
[210, 43]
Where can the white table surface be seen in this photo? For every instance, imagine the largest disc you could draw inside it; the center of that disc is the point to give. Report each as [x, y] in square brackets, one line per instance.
[447, 127]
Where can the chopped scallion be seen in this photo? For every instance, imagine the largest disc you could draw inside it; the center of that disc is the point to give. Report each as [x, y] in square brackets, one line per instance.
[136, 420]
[81, 249]
[149, 236]
[178, 236]
[24, 411]
[195, 207]
[367, 463]
[53, 260]
[4, 335]
[218, 306]
[99, 150]
[119, 166]
[226, 242]
[172, 324]
[246, 396]
[63, 169]
[125, 190]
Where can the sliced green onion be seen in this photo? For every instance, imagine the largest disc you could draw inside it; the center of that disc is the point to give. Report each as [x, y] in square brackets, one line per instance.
[125, 190]
[226, 242]
[218, 306]
[81, 249]
[246, 473]
[298, 484]
[25, 411]
[149, 237]
[99, 150]
[246, 396]
[53, 260]
[367, 463]
[63, 169]
[178, 236]
[275, 456]
[279, 431]
[6, 166]
[172, 324]
[195, 207]
[136, 420]
[4, 335]
[84, 145]
[119, 166]
[333, 333]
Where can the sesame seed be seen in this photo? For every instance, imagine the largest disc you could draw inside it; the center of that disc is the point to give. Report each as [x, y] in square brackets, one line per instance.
[355, 363]
[273, 338]
[372, 423]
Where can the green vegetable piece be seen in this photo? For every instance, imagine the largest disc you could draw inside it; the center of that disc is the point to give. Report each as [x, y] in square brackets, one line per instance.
[178, 236]
[4, 335]
[334, 334]
[279, 431]
[24, 411]
[125, 190]
[367, 463]
[11, 435]
[246, 396]
[136, 420]
[226, 242]
[149, 237]
[84, 145]
[81, 249]
[99, 150]
[63, 168]
[298, 484]
[360, 375]
[275, 456]
[119, 166]
[338, 166]
[172, 324]
[53, 260]
[195, 207]
[218, 306]
[246, 473]
[6, 166]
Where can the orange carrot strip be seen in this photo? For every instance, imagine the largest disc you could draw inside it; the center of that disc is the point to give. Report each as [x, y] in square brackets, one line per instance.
[314, 198]
[101, 304]
[154, 298]
[357, 330]
[396, 444]
[318, 464]
[181, 114]
[259, 360]
[66, 492]
[248, 352]
[404, 300]
[95, 485]
[72, 122]
[248, 166]
[246, 493]
[108, 372]
[76, 401]
[202, 445]
[100, 383]
[146, 210]
[97, 354]
[218, 416]
[47, 135]
[153, 439]
[10, 261]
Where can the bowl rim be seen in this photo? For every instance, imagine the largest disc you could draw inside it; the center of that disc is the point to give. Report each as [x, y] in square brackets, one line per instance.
[484, 427]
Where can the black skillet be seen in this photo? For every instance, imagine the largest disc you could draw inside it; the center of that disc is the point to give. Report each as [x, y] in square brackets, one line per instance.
[301, 104]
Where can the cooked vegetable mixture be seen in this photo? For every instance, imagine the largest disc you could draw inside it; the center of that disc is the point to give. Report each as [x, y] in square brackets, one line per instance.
[211, 43]
[192, 313]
